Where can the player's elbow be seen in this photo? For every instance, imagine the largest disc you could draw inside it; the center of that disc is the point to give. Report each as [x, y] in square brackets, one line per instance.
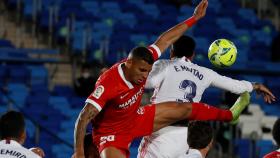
[88, 113]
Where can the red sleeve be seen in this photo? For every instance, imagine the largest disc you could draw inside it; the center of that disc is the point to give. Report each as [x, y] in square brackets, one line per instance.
[204, 112]
[100, 95]
[155, 51]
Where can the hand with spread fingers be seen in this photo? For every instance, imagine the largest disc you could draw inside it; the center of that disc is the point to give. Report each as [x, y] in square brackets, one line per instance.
[265, 92]
[200, 10]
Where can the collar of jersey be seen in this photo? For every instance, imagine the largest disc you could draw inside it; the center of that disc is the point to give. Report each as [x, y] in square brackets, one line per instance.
[182, 58]
[194, 151]
[120, 70]
[12, 142]
[278, 150]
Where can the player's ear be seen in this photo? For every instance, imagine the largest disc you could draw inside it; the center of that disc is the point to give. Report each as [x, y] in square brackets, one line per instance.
[128, 63]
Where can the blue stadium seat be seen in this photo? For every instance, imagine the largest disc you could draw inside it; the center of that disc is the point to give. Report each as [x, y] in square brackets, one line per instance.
[150, 9]
[39, 75]
[202, 44]
[64, 91]
[6, 44]
[243, 147]
[138, 39]
[264, 147]
[18, 74]
[28, 8]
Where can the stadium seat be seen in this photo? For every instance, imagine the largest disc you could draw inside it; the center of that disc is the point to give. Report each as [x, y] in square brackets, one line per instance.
[38, 76]
[243, 148]
[18, 74]
[6, 44]
[264, 147]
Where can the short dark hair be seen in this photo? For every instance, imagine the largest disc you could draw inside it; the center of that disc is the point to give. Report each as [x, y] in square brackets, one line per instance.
[142, 53]
[200, 134]
[276, 131]
[184, 46]
[12, 125]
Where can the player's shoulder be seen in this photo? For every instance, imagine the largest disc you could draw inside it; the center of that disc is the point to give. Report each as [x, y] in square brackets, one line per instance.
[162, 63]
[110, 75]
[274, 154]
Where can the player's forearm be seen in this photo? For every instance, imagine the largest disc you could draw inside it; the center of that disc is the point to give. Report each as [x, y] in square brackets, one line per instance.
[86, 115]
[170, 36]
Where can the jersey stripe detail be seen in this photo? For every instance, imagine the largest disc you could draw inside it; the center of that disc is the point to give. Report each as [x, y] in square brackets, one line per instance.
[96, 105]
[155, 51]
[129, 85]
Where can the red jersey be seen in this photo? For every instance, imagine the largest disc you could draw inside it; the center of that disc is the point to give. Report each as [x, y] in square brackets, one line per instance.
[274, 154]
[117, 99]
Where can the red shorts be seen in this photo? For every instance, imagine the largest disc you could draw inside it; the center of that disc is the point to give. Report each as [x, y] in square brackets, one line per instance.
[143, 126]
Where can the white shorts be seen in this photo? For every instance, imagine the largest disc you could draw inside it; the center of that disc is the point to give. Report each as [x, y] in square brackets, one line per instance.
[168, 142]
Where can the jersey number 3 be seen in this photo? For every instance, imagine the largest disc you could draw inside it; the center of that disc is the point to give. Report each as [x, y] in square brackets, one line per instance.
[189, 89]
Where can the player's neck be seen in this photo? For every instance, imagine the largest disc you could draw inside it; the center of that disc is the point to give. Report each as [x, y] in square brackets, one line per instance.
[204, 152]
[14, 139]
[126, 72]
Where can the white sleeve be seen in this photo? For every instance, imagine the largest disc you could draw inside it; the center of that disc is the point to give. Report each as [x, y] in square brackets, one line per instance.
[229, 84]
[157, 74]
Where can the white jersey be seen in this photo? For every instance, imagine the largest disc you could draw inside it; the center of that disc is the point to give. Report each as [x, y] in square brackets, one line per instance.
[181, 80]
[192, 153]
[12, 149]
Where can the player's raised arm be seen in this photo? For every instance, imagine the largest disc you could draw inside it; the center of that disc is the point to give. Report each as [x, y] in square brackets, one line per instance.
[86, 115]
[171, 35]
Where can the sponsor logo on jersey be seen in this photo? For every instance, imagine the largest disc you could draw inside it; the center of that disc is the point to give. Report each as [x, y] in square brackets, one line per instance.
[132, 100]
[141, 111]
[98, 92]
[124, 95]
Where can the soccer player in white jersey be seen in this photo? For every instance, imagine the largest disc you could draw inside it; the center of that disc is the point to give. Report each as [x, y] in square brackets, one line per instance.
[200, 139]
[181, 80]
[12, 133]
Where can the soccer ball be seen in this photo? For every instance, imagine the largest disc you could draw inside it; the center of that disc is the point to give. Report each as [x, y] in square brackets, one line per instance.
[222, 53]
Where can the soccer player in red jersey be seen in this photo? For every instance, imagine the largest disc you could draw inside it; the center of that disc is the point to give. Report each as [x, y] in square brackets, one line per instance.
[114, 106]
[276, 137]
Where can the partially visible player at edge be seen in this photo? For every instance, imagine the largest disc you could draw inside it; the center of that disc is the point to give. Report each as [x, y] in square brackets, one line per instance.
[113, 107]
[276, 137]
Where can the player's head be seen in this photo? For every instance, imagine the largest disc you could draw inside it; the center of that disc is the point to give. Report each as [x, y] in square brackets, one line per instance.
[276, 131]
[12, 126]
[184, 46]
[200, 135]
[139, 64]
[90, 149]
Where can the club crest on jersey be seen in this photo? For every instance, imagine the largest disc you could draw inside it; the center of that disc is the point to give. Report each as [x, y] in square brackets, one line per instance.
[98, 92]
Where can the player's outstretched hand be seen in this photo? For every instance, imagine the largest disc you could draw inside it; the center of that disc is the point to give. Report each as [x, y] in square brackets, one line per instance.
[265, 92]
[200, 9]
